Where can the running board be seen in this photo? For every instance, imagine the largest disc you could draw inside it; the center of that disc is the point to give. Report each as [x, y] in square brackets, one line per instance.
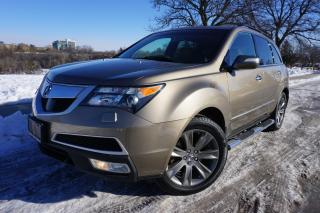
[235, 141]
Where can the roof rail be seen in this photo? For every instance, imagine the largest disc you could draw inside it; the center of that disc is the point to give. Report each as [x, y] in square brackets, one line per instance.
[252, 28]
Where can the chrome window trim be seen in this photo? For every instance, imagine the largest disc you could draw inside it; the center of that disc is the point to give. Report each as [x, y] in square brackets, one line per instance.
[123, 152]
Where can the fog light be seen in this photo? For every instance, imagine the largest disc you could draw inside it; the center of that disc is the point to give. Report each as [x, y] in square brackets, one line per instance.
[109, 166]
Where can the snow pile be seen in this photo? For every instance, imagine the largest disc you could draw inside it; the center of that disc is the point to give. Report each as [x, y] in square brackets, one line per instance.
[18, 87]
[13, 134]
[297, 71]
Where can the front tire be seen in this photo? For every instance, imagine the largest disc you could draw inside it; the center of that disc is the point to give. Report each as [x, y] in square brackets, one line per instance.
[198, 158]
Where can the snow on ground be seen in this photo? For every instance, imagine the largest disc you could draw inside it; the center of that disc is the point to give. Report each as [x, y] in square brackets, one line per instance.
[18, 87]
[273, 172]
[297, 71]
[307, 79]
[13, 133]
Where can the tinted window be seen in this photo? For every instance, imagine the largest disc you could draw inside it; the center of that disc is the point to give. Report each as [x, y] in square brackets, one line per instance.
[263, 50]
[276, 56]
[241, 46]
[185, 46]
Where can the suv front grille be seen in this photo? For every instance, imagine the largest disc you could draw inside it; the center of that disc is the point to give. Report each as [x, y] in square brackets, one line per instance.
[56, 104]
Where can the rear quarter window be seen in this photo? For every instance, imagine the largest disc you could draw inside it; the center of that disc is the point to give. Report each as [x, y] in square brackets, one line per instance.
[276, 56]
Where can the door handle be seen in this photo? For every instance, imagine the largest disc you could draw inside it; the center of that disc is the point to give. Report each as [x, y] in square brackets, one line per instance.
[258, 78]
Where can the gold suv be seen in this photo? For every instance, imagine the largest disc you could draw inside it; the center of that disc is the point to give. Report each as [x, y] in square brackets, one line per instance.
[168, 107]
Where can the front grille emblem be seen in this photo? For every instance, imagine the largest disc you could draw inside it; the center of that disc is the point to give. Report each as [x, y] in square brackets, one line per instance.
[47, 90]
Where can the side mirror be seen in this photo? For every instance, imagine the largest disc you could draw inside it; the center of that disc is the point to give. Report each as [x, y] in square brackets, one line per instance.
[246, 62]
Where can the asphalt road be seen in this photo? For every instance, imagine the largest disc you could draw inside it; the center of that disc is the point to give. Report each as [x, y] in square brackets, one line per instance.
[273, 172]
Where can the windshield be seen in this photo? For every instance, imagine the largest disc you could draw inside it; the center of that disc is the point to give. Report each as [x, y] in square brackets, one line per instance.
[191, 46]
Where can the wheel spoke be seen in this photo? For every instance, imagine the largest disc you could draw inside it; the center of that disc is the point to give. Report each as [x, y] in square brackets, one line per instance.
[188, 138]
[203, 170]
[203, 141]
[188, 176]
[177, 152]
[281, 117]
[209, 154]
[175, 169]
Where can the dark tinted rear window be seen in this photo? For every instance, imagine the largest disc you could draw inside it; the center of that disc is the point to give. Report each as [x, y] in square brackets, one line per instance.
[263, 50]
[186, 46]
[276, 56]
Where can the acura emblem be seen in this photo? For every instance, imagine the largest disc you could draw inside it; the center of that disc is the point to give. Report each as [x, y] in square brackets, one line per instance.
[47, 91]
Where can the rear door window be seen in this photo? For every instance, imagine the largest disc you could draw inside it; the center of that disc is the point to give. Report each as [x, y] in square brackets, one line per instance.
[263, 50]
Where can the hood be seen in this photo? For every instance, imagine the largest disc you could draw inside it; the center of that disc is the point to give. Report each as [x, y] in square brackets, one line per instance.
[117, 71]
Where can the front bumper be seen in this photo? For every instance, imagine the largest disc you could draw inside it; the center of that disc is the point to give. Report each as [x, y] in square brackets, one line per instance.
[146, 146]
[79, 159]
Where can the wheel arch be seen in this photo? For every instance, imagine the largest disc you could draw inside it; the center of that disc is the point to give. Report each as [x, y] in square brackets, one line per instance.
[286, 91]
[215, 115]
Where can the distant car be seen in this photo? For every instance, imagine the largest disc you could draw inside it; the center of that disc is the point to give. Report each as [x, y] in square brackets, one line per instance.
[169, 107]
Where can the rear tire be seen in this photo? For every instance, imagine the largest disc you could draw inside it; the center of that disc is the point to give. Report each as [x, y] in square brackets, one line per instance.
[279, 113]
[197, 159]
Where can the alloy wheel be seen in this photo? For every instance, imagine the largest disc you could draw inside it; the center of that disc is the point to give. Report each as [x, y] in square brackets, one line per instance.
[281, 110]
[194, 158]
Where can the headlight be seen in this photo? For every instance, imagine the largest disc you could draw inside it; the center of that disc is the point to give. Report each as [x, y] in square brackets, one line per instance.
[129, 98]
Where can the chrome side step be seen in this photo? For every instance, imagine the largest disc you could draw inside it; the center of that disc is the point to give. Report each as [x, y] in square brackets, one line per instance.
[235, 141]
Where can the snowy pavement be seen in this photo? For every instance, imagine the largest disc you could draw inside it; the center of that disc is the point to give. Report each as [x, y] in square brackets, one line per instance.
[273, 172]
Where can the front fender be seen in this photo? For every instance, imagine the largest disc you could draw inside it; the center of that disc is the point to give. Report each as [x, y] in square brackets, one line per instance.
[201, 99]
[185, 98]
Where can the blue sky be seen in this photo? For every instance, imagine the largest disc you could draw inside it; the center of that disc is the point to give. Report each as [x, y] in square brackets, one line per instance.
[102, 24]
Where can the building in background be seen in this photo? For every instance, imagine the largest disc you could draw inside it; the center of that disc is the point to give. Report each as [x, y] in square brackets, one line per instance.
[64, 44]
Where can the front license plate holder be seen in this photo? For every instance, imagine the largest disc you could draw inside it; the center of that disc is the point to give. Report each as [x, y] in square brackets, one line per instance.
[37, 129]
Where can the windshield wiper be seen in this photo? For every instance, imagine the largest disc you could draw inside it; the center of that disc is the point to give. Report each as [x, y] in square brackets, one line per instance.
[157, 58]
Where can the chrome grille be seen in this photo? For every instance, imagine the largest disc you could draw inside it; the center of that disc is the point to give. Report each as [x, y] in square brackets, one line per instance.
[58, 97]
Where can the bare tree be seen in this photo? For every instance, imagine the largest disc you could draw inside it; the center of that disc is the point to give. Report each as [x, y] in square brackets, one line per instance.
[283, 19]
[277, 19]
[309, 55]
[182, 13]
[289, 54]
